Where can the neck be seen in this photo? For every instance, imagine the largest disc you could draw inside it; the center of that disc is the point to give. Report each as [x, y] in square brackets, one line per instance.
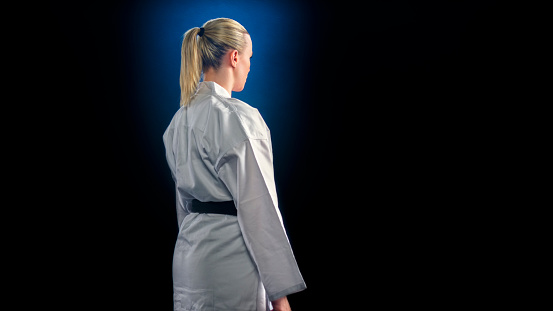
[222, 77]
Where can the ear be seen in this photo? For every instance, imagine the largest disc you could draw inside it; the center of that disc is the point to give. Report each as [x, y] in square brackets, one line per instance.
[234, 58]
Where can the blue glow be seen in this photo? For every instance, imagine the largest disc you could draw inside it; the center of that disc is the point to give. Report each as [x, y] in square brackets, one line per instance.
[275, 75]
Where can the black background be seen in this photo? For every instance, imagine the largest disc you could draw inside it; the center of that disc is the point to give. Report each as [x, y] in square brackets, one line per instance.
[395, 104]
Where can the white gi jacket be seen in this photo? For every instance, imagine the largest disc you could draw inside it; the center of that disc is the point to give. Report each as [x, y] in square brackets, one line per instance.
[219, 149]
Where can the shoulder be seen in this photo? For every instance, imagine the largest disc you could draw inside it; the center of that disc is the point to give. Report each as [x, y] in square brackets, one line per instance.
[237, 117]
[251, 120]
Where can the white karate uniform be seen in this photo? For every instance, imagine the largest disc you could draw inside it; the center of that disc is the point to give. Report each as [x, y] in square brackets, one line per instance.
[219, 149]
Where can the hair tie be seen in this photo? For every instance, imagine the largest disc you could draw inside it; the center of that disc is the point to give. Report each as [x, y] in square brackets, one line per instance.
[201, 33]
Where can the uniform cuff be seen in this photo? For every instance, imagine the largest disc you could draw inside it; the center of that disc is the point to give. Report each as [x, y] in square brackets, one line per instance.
[288, 291]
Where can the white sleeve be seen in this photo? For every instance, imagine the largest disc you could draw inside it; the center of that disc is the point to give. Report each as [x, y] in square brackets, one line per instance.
[247, 171]
[169, 142]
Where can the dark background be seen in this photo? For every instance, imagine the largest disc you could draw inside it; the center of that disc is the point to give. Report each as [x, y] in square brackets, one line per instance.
[383, 117]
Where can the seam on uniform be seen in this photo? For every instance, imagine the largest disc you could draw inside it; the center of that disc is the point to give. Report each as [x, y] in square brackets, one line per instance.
[224, 154]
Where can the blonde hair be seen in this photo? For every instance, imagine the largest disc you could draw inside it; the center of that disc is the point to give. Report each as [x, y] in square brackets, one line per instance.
[200, 53]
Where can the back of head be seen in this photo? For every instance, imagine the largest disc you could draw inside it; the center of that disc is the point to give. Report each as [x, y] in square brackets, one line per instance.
[203, 48]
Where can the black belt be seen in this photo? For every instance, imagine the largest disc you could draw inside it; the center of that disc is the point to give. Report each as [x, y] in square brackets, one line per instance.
[225, 208]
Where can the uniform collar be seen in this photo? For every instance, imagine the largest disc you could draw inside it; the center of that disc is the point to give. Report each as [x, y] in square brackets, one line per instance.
[214, 88]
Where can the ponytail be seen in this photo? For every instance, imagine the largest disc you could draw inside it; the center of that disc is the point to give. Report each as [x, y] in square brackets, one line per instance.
[201, 51]
[190, 66]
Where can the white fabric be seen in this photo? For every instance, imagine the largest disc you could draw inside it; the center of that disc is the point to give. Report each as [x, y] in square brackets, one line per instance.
[219, 149]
